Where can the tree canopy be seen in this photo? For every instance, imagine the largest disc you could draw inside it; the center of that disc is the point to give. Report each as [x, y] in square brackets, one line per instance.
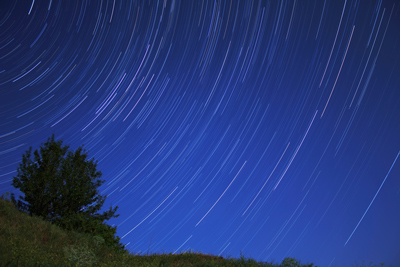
[61, 186]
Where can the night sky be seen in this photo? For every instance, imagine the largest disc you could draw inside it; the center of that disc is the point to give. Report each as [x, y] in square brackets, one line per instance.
[267, 128]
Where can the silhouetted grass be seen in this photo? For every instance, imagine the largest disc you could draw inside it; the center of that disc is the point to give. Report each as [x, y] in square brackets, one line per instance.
[31, 241]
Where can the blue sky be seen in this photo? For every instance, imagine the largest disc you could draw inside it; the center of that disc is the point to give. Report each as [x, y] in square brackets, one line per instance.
[267, 128]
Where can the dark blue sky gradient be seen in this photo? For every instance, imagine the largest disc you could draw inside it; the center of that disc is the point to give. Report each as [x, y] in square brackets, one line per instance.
[269, 128]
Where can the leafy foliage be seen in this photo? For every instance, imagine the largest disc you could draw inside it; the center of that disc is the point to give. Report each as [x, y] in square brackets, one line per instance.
[292, 262]
[80, 255]
[61, 186]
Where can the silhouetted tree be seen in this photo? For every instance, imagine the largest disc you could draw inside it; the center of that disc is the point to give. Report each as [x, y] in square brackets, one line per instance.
[61, 186]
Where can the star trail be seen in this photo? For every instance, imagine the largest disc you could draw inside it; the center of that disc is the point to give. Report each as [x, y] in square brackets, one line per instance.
[269, 129]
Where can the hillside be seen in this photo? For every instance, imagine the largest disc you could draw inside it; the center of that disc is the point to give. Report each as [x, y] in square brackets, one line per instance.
[31, 241]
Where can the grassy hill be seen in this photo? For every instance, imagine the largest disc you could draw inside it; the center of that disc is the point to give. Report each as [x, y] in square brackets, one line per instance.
[31, 241]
